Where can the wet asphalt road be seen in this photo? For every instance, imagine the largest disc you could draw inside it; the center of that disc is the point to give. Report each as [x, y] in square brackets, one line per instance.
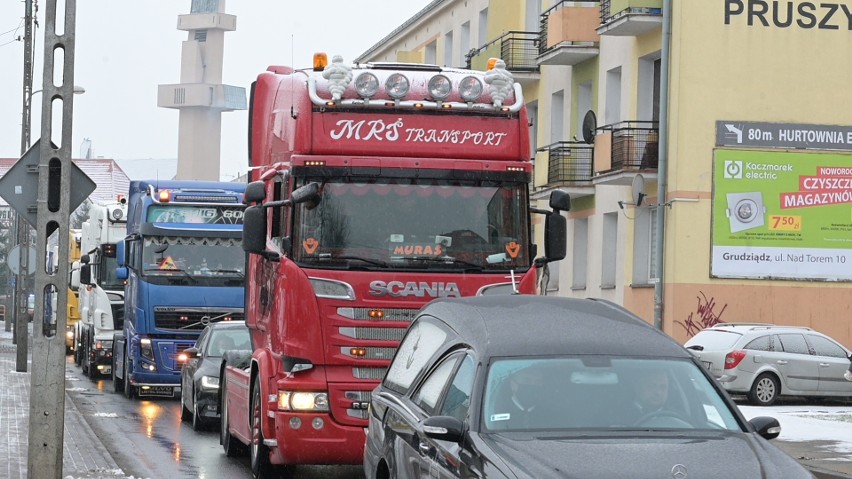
[147, 439]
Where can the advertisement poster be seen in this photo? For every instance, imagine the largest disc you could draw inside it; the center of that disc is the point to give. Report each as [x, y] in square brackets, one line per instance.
[782, 215]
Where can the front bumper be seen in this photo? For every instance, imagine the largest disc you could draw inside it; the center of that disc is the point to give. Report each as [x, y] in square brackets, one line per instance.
[331, 443]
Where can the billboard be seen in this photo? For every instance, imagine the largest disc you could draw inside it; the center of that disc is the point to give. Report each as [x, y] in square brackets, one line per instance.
[781, 215]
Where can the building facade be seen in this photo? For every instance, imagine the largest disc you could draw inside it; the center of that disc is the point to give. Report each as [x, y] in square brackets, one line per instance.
[755, 206]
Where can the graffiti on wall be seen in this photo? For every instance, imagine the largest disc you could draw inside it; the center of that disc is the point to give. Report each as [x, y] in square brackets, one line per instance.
[707, 313]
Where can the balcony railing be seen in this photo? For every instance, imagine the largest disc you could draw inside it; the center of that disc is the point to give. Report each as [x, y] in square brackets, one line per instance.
[569, 162]
[543, 45]
[634, 145]
[518, 49]
[614, 9]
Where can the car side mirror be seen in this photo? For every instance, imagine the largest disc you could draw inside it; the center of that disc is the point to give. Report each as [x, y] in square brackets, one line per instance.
[187, 354]
[445, 428]
[767, 427]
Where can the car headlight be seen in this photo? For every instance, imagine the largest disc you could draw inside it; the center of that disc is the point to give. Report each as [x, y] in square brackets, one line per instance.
[209, 382]
[302, 401]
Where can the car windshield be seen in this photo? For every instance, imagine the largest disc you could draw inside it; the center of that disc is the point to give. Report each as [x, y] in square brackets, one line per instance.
[228, 339]
[415, 224]
[197, 260]
[601, 393]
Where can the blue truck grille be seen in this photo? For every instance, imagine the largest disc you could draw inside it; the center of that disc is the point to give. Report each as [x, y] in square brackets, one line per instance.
[193, 319]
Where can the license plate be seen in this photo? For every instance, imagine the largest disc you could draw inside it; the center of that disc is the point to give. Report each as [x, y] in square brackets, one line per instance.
[107, 370]
[160, 391]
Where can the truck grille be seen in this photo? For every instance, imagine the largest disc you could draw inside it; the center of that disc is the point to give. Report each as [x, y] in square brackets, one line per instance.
[387, 314]
[369, 373]
[193, 319]
[371, 353]
[378, 334]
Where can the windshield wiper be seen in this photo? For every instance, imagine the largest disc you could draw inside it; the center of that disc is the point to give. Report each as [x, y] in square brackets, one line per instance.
[329, 257]
[234, 271]
[172, 270]
[440, 259]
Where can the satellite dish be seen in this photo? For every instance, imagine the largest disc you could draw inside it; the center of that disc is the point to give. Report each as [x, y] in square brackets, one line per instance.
[590, 124]
[637, 190]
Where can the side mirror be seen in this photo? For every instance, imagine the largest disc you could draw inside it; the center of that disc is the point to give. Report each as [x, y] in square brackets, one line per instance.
[86, 274]
[766, 427]
[121, 273]
[307, 193]
[560, 201]
[255, 192]
[120, 253]
[85, 259]
[74, 281]
[187, 354]
[555, 236]
[254, 229]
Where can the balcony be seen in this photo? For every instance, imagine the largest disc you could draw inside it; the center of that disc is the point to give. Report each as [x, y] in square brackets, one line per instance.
[623, 149]
[631, 18]
[569, 163]
[518, 49]
[568, 35]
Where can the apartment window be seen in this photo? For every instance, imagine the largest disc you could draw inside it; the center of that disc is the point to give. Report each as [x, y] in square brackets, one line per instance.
[609, 240]
[584, 104]
[533, 20]
[580, 253]
[431, 54]
[448, 49]
[648, 98]
[644, 245]
[557, 111]
[464, 41]
[483, 27]
[613, 96]
[532, 111]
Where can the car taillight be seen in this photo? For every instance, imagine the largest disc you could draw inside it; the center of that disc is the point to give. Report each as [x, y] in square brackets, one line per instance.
[733, 358]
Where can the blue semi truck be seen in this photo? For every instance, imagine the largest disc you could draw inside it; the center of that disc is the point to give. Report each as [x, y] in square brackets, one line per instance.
[184, 268]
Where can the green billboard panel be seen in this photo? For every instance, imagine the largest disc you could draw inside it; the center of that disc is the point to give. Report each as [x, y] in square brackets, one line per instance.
[782, 215]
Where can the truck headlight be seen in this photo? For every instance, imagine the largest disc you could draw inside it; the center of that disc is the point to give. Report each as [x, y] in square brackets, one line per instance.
[69, 334]
[209, 382]
[302, 401]
[327, 288]
[145, 349]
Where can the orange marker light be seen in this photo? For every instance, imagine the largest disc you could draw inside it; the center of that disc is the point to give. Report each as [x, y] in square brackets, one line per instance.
[358, 352]
[165, 196]
[376, 314]
[320, 61]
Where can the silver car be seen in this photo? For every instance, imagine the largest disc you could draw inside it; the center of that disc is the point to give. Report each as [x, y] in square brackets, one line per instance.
[765, 361]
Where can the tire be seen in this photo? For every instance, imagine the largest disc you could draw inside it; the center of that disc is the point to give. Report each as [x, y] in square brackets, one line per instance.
[232, 446]
[129, 389]
[117, 383]
[261, 468]
[765, 390]
[197, 420]
[185, 413]
[84, 360]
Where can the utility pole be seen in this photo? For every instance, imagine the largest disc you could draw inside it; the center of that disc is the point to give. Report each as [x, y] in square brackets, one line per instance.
[22, 230]
[55, 174]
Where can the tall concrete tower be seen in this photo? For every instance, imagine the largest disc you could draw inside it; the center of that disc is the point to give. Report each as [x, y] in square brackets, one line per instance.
[200, 96]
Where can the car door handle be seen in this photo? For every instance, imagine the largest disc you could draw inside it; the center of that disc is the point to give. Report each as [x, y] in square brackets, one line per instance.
[424, 448]
[824, 365]
[781, 361]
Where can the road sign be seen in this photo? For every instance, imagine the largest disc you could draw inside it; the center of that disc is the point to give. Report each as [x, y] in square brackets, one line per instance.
[13, 259]
[19, 186]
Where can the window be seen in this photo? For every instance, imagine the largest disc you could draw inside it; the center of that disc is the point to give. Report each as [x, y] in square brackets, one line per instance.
[457, 402]
[430, 392]
[448, 49]
[581, 249]
[464, 48]
[760, 344]
[483, 27]
[652, 245]
[431, 53]
[644, 248]
[417, 347]
[557, 108]
[794, 343]
[826, 347]
[613, 96]
[608, 251]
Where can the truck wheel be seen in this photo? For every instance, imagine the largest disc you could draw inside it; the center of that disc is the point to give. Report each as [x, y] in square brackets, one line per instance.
[261, 468]
[117, 383]
[129, 389]
[232, 446]
[84, 359]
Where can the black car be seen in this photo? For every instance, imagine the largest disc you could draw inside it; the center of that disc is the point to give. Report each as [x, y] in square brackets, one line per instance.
[545, 387]
[199, 378]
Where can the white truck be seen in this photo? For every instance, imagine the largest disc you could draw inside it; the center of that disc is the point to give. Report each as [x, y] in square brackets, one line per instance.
[101, 294]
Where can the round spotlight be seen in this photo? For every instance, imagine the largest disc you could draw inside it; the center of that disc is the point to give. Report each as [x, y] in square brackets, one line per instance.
[397, 86]
[470, 88]
[295, 422]
[439, 87]
[117, 214]
[366, 85]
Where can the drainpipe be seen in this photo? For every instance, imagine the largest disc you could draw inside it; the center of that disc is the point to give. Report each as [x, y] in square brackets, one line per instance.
[662, 162]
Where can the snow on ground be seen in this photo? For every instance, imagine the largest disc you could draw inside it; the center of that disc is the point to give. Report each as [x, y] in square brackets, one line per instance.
[810, 422]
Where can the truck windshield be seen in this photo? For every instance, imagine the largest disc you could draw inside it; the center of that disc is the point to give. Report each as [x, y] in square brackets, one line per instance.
[200, 261]
[108, 280]
[415, 224]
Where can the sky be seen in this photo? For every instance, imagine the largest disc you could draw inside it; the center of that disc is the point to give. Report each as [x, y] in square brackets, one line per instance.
[124, 50]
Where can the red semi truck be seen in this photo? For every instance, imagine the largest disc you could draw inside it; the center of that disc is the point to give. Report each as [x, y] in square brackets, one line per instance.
[376, 188]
